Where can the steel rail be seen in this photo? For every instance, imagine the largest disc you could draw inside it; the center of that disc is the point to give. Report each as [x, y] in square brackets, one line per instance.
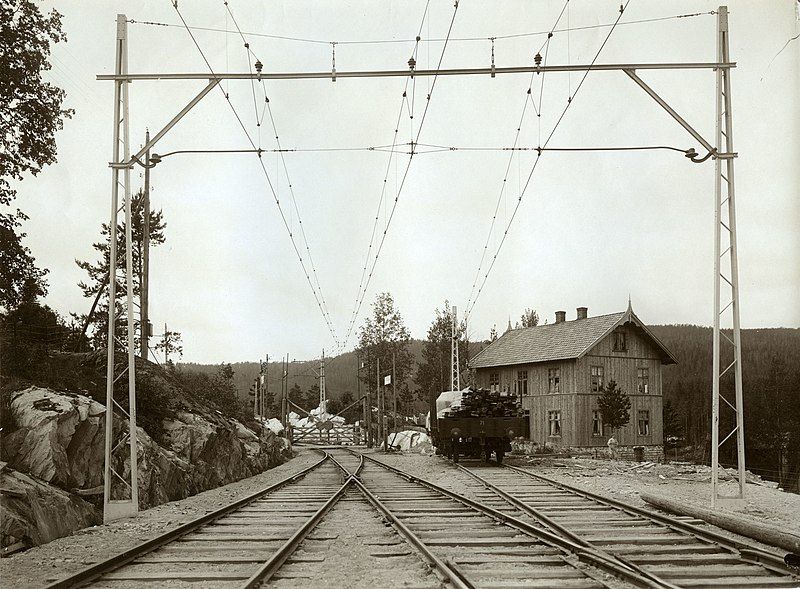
[587, 554]
[97, 570]
[748, 552]
[551, 523]
[269, 568]
[526, 69]
[447, 569]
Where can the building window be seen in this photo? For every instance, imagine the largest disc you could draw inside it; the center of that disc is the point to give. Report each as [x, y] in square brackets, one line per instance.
[644, 423]
[494, 382]
[643, 380]
[597, 423]
[619, 341]
[554, 380]
[522, 383]
[597, 379]
[554, 421]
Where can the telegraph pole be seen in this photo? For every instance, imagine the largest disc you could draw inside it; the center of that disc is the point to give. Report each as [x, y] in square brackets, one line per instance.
[322, 381]
[394, 397]
[378, 390]
[265, 381]
[144, 277]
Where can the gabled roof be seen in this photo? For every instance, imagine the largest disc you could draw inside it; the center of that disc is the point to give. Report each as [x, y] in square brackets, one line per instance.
[559, 341]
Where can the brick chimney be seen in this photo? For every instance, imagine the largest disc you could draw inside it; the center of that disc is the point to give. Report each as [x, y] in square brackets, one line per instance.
[561, 316]
[582, 312]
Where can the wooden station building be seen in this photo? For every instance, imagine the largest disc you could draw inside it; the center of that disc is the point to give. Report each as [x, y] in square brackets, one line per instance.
[559, 369]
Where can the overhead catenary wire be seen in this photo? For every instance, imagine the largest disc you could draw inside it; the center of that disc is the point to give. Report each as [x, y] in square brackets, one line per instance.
[405, 173]
[471, 304]
[403, 104]
[504, 184]
[280, 151]
[264, 170]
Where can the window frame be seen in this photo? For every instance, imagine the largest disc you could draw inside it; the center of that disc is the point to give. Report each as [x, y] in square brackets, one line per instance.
[646, 420]
[643, 380]
[554, 380]
[522, 383]
[596, 385]
[597, 418]
[554, 418]
[620, 342]
[494, 381]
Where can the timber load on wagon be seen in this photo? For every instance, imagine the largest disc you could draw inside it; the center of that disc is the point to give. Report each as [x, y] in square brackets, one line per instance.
[476, 422]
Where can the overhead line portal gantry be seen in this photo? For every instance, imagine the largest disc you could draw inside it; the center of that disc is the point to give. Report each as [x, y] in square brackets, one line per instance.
[477, 71]
[124, 501]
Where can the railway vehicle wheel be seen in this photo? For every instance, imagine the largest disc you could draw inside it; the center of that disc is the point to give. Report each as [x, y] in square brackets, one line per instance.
[500, 454]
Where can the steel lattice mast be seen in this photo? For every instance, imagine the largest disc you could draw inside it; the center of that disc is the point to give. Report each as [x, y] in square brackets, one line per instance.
[120, 492]
[725, 225]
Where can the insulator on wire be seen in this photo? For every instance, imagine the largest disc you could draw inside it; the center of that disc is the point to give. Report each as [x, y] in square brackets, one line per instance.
[412, 63]
[493, 71]
[538, 59]
[259, 67]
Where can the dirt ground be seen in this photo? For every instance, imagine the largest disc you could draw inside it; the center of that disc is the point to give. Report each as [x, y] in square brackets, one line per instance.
[42, 564]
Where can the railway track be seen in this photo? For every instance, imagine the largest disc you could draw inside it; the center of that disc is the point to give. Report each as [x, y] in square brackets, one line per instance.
[473, 544]
[243, 544]
[350, 519]
[680, 551]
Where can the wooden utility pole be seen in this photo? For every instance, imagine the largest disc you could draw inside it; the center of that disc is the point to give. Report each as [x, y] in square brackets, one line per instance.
[144, 276]
[394, 397]
[378, 390]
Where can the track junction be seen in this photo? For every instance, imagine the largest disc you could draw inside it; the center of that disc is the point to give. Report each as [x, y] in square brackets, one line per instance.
[506, 527]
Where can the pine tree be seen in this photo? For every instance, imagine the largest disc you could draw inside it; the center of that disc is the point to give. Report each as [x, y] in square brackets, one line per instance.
[433, 373]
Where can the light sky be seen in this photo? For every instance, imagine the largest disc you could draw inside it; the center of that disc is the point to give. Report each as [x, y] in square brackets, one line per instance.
[592, 229]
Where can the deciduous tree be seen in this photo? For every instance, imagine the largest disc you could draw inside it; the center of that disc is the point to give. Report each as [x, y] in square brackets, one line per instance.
[383, 336]
[31, 112]
[614, 406]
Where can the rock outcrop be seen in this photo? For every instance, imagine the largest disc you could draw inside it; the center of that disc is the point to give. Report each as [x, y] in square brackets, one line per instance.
[59, 441]
[33, 512]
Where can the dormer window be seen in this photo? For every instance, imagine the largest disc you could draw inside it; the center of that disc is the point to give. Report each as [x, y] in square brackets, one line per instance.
[619, 341]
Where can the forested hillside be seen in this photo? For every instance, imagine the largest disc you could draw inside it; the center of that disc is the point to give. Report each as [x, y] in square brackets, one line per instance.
[771, 377]
[771, 385]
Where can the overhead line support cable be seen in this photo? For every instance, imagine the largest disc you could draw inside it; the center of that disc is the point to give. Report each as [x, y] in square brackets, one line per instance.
[408, 166]
[268, 108]
[363, 282]
[528, 97]
[428, 40]
[538, 157]
[263, 168]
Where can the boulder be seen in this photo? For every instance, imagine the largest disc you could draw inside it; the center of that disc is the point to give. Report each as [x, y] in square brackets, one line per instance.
[33, 512]
[59, 437]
